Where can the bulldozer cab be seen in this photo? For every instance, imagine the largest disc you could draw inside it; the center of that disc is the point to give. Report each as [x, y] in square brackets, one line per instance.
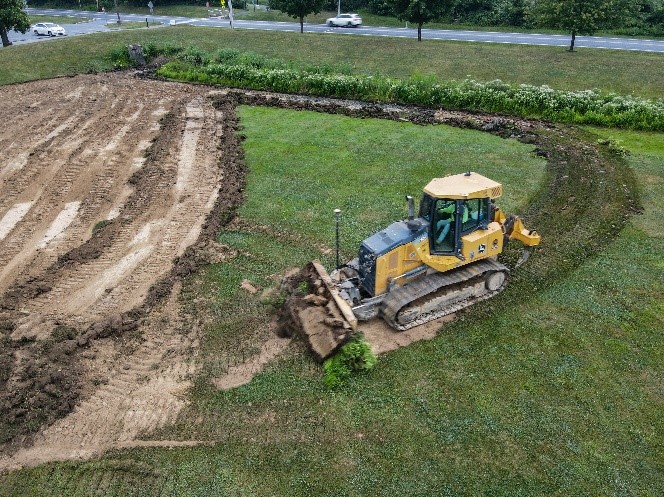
[455, 206]
[451, 219]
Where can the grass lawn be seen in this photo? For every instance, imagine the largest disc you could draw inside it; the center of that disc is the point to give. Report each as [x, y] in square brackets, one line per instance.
[556, 390]
[58, 19]
[130, 25]
[557, 393]
[609, 70]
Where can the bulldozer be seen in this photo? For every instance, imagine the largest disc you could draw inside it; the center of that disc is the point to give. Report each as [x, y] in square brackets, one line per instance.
[413, 271]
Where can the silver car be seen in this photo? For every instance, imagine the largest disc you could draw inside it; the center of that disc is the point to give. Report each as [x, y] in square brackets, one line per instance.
[48, 29]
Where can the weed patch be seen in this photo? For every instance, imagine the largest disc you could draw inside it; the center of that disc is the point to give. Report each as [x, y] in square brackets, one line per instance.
[354, 357]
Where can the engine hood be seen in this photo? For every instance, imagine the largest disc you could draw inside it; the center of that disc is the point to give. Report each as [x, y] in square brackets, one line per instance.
[394, 235]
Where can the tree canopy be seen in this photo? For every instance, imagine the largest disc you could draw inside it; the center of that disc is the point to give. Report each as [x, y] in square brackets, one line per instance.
[298, 9]
[12, 16]
[582, 17]
[421, 11]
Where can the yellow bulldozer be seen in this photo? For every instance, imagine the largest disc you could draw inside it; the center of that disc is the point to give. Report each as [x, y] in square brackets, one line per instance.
[415, 270]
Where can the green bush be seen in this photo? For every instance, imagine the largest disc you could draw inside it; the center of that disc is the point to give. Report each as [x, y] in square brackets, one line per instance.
[120, 57]
[354, 357]
[194, 56]
[230, 67]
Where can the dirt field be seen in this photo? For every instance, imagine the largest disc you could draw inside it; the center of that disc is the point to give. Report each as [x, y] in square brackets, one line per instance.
[107, 184]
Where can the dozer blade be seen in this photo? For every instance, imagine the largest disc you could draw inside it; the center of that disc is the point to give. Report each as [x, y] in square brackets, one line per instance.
[315, 311]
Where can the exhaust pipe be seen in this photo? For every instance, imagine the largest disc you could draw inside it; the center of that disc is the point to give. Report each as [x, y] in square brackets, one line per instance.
[411, 207]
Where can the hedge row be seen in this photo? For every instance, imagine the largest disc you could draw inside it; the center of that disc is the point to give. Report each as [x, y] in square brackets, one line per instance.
[246, 70]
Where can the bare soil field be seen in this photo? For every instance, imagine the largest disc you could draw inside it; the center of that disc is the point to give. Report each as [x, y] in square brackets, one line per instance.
[110, 189]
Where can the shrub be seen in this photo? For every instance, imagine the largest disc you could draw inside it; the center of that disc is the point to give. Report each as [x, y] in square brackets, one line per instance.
[194, 56]
[354, 357]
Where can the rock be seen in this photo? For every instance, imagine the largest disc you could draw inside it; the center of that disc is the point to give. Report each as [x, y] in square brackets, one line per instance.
[136, 54]
[249, 287]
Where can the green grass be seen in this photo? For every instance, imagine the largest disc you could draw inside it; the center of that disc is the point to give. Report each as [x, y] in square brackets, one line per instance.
[388, 159]
[609, 70]
[229, 67]
[554, 390]
[559, 392]
[58, 19]
[131, 25]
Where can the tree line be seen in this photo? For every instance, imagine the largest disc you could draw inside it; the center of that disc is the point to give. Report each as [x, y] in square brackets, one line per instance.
[576, 17]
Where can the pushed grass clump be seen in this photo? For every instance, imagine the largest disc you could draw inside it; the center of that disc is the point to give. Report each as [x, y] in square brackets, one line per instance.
[354, 357]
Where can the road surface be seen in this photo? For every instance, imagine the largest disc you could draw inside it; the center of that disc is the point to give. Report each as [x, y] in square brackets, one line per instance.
[99, 22]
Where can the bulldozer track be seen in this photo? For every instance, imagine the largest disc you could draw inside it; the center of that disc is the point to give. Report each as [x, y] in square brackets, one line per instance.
[401, 297]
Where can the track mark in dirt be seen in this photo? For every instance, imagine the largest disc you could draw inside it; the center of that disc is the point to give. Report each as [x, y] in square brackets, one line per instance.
[13, 216]
[384, 339]
[192, 133]
[108, 279]
[15, 164]
[60, 223]
[138, 390]
[243, 373]
[176, 190]
[163, 443]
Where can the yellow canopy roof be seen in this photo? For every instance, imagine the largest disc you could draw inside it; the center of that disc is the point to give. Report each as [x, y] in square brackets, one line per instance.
[464, 186]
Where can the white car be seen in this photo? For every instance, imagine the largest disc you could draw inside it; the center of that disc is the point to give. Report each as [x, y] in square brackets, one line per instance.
[48, 29]
[348, 20]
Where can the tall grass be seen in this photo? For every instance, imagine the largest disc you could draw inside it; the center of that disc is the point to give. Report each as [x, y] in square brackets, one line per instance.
[233, 68]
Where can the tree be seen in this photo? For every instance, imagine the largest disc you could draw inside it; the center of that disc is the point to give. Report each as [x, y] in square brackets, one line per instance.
[582, 17]
[12, 16]
[420, 11]
[298, 9]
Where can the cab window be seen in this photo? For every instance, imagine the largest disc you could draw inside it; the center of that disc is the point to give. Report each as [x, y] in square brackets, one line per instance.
[444, 225]
[425, 207]
[475, 214]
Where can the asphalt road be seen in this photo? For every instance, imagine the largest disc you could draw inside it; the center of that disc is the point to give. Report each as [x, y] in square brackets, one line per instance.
[99, 22]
